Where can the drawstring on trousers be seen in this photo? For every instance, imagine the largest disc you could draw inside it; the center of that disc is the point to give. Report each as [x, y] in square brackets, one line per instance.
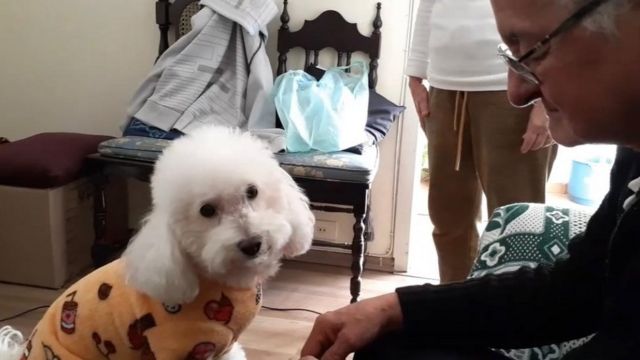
[462, 111]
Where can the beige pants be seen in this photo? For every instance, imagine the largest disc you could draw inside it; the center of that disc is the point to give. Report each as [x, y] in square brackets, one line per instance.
[479, 133]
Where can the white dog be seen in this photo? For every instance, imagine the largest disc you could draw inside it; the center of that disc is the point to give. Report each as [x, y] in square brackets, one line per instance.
[224, 214]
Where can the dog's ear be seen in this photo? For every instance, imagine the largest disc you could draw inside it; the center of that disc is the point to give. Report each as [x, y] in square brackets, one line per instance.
[156, 266]
[299, 216]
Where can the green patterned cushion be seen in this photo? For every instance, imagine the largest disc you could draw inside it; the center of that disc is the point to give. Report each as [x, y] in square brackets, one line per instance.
[527, 235]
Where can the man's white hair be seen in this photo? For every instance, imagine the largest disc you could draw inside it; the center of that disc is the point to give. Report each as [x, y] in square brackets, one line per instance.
[604, 18]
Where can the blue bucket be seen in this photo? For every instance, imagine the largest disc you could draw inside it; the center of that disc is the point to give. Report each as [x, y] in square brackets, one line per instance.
[589, 181]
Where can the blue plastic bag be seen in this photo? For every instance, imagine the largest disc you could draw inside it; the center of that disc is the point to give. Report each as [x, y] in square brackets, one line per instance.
[326, 115]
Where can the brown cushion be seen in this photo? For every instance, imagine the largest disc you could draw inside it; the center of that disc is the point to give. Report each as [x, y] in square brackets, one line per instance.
[46, 160]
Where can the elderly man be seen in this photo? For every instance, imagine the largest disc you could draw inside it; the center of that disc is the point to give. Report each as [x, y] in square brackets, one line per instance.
[581, 58]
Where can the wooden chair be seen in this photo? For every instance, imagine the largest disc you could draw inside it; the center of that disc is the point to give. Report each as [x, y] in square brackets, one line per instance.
[176, 14]
[334, 182]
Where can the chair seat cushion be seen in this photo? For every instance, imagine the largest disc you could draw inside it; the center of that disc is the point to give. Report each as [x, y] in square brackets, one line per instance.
[336, 166]
[46, 160]
[134, 148]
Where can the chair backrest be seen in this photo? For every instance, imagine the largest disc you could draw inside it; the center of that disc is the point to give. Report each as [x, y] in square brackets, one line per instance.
[177, 14]
[330, 30]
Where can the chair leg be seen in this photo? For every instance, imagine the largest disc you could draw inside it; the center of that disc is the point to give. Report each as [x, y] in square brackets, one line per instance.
[109, 219]
[357, 254]
[99, 249]
[369, 236]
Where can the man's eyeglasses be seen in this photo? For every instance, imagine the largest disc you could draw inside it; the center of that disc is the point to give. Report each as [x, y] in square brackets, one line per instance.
[518, 65]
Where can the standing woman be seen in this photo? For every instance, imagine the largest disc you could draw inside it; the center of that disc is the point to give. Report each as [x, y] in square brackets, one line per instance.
[477, 141]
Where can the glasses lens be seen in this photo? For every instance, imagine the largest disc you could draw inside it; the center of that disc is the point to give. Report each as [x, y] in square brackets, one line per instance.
[520, 68]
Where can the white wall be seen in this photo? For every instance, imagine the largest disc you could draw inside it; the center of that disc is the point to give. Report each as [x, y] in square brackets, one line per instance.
[72, 65]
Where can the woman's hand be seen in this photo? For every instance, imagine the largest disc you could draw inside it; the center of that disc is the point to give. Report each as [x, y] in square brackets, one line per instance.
[420, 96]
[339, 333]
[537, 135]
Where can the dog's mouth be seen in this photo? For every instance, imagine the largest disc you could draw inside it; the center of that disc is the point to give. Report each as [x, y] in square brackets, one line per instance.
[250, 253]
[253, 258]
[241, 267]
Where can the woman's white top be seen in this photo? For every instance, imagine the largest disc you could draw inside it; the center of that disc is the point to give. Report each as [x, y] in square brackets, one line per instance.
[454, 46]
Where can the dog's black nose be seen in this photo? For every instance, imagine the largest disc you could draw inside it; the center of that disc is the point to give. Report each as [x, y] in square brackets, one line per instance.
[250, 246]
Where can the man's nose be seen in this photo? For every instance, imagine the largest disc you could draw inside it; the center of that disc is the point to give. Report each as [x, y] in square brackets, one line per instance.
[521, 92]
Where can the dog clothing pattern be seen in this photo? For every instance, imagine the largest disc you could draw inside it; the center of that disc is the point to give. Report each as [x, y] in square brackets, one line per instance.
[100, 317]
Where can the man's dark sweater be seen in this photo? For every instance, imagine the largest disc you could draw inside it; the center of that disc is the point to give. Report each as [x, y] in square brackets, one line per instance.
[595, 290]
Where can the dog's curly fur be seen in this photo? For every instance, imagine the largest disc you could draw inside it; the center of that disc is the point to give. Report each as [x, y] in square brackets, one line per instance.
[216, 167]
[213, 192]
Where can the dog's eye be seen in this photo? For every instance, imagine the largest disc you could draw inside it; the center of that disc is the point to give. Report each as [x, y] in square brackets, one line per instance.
[252, 192]
[207, 210]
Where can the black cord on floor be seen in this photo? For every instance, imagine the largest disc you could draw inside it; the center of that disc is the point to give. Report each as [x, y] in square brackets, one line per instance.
[24, 313]
[292, 309]
[46, 306]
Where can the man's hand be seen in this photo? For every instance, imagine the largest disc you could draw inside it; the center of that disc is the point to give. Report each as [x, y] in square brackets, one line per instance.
[339, 333]
[420, 96]
[537, 135]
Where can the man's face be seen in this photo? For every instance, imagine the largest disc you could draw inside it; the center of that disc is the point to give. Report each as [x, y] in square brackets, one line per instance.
[589, 81]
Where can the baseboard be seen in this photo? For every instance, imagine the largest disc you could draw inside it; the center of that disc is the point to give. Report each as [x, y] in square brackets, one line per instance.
[343, 258]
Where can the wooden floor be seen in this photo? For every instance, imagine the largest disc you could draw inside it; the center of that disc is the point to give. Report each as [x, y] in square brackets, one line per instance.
[273, 334]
